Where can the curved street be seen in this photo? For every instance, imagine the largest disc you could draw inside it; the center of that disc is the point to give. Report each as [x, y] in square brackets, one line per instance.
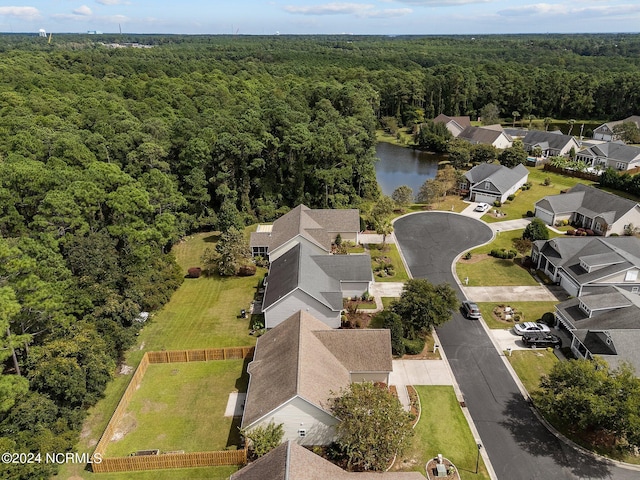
[518, 445]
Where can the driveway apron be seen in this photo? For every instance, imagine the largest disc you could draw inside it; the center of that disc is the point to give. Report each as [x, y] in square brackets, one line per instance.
[518, 445]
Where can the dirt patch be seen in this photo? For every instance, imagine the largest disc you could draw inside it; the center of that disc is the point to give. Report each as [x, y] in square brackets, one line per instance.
[126, 425]
[475, 258]
[507, 315]
[357, 320]
[151, 406]
[125, 369]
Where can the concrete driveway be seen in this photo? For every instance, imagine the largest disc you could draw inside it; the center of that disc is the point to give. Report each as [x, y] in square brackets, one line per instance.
[420, 372]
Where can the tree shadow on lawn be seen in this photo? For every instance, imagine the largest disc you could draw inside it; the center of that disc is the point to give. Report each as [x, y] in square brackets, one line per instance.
[533, 437]
[212, 238]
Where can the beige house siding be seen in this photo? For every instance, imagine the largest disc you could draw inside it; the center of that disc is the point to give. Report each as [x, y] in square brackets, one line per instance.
[296, 301]
[346, 236]
[632, 216]
[298, 414]
[620, 278]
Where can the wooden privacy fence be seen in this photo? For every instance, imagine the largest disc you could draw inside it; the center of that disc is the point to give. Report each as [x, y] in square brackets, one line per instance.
[167, 460]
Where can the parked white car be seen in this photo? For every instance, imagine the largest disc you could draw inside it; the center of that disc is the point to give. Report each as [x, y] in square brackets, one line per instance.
[482, 207]
[530, 327]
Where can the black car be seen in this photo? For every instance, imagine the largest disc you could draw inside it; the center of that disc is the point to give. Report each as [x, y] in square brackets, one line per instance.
[541, 340]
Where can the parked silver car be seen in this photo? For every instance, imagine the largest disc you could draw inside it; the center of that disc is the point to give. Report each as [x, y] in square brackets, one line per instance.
[530, 328]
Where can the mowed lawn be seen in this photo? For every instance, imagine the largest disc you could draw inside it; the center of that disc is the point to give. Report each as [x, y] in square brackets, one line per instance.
[494, 272]
[530, 312]
[442, 429]
[391, 252]
[180, 406]
[525, 199]
[531, 365]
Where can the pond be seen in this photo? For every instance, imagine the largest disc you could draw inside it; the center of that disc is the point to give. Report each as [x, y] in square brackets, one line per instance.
[404, 166]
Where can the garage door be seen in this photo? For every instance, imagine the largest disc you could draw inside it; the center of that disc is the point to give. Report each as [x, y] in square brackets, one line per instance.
[481, 197]
[570, 287]
[545, 216]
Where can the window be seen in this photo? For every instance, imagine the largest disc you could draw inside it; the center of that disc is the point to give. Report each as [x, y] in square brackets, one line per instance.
[620, 166]
[631, 276]
[302, 432]
[487, 185]
[598, 227]
[634, 289]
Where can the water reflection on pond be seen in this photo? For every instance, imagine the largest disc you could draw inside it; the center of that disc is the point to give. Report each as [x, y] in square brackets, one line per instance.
[404, 166]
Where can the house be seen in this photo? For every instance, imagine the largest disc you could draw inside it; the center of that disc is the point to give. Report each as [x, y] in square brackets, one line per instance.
[486, 136]
[299, 365]
[516, 132]
[605, 131]
[454, 124]
[615, 155]
[290, 461]
[489, 182]
[318, 226]
[589, 208]
[304, 279]
[582, 265]
[552, 144]
[605, 323]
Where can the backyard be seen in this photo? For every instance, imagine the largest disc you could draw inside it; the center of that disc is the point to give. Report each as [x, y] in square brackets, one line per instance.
[181, 406]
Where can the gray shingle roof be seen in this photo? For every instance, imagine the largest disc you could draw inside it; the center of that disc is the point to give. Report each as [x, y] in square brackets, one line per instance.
[315, 225]
[555, 140]
[615, 151]
[482, 135]
[501, 177]
[317, 275]
[304, 357]
[587, 200]
[291, 461]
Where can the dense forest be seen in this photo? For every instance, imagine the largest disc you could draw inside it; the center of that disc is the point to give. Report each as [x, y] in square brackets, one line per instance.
[108, 156]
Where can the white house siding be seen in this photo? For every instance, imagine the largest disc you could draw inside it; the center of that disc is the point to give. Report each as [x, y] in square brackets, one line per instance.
[296, 301]
[632, 216]
[502, 142]
[514, 189]
[544, 215]
[345, 236]
[282, 249]
[298, 414]
[568, 284]
[354, 289]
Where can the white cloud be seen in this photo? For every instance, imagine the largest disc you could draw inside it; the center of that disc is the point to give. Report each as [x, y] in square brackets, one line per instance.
[556, 9]
[363, 10]
[442, 3]
[330, 9]
[83, 10]
[20, 12]
[113, 2]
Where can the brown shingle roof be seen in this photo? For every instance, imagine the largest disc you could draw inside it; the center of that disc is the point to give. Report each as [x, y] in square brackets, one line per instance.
[290, 461]
[304, 357]
[315, 225]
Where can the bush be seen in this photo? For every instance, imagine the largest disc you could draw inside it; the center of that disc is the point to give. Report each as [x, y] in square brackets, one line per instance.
[589, 232]
[511, 197]
[413, 347]
[194, 272]
[548, 319]
[467, 256]
[503, 253]
[614, 235]
[247, 270]
[526, 186]
[530, 214]
[497, 203]
[547, 181]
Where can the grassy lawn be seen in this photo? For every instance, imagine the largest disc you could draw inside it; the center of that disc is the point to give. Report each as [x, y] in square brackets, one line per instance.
[494, 272]
[180, 406]
[391, 252]
[530, 365]
[526, 199]
[202, 313]
[442, 429]
[530, 311]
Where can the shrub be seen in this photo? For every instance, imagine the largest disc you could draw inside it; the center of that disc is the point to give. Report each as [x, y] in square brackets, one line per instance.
[247, 270]
[548, 319]
[565, 222]
[194, 272]
[264, 439]
[503, 253]
[547, 182]
[571, 232]
[497, 203]
[467, 256]
[413, 347]
[511, 197]
[614, 235]
[338, 241]
[530, 213]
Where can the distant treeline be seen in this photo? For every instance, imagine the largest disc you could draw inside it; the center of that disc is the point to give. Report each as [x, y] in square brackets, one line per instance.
[108, 156]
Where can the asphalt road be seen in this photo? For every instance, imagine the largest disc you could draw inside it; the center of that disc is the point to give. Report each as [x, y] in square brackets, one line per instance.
[519, 446]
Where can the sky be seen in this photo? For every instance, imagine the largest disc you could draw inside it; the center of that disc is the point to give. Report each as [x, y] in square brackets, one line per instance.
[360, 17]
